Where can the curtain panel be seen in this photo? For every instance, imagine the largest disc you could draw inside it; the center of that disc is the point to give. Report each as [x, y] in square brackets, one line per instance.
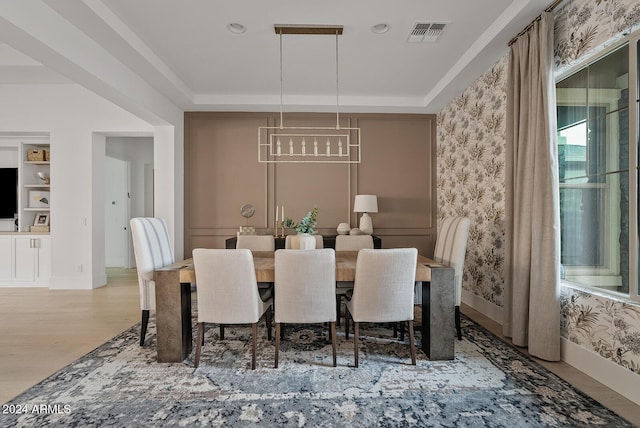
[532, 257]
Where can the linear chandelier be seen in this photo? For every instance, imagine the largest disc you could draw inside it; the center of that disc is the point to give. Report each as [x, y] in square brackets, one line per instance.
[309, 144]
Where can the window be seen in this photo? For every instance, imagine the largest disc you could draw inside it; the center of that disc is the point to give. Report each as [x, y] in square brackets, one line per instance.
[596, 194]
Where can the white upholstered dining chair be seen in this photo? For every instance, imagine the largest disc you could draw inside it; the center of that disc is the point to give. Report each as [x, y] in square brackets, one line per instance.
[292, 242]
[451, 247]
[305, 289]
[256, 242]
[153, 250]
[353, 242]
[349, 243]
[383, 291]
[228, 293]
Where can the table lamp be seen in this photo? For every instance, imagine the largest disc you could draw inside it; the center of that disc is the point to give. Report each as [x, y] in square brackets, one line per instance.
[366, 204]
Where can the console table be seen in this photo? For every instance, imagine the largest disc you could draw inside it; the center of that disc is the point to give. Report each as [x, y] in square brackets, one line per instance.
[329, 241]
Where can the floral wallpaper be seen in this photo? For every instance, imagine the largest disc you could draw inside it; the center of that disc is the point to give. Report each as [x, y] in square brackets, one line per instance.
[608, 327]
[470, 170]
[471, 158]
[584, 27]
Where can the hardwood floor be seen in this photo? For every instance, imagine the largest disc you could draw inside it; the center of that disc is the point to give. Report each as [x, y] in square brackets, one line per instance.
[43, 330]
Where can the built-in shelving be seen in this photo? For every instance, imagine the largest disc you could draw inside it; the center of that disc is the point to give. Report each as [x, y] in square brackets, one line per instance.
[25, 255]
[35, 193]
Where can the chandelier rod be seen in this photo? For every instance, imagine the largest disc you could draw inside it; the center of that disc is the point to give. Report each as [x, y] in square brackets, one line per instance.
[281, 124]
[337, 88]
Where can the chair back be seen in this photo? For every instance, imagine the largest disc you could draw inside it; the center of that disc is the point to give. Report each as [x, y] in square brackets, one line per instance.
[227, 287]
[383, 287]
[153, 250]
[292, 242]
[256, 242]
[305, 286]
[353, 242]
[451, 247]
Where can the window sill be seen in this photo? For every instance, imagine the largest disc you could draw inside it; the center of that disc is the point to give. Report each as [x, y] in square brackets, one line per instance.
[612, 295]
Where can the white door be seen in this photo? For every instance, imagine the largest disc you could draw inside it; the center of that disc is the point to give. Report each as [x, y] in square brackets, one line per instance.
[116, 213]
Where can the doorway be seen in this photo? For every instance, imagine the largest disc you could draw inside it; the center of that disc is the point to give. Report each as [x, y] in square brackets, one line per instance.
[128, 193]
[117, 212]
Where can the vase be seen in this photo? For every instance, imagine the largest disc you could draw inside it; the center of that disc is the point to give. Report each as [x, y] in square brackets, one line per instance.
[306, 241]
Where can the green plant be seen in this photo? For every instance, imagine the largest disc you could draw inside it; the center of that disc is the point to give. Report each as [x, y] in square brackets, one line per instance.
[306, 225]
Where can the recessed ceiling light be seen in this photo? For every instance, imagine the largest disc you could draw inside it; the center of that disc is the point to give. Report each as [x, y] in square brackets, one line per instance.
[380, 28]
[237, 28]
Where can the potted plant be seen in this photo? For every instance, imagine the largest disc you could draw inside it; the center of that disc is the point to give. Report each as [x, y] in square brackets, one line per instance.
[305, 228]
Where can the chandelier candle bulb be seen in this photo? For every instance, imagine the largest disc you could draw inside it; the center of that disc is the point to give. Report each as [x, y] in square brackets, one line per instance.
[315, 147]
[328, 147]
[303, 147]
[278, 152]
[290, 146]
[340, 147]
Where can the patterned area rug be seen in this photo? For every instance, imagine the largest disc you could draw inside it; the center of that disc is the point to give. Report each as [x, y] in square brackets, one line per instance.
[488, 384]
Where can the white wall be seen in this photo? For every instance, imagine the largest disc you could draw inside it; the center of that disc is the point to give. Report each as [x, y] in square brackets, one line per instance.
[72, 116]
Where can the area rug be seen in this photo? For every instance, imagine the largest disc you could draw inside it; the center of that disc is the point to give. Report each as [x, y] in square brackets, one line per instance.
[487, 384]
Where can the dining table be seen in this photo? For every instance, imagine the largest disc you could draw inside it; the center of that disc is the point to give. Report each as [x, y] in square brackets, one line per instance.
[174, 337]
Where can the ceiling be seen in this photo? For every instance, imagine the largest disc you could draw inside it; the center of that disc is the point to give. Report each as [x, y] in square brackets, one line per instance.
[184, 50]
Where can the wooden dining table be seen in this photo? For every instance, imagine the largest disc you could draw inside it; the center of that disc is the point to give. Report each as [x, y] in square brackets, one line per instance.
[173, 303]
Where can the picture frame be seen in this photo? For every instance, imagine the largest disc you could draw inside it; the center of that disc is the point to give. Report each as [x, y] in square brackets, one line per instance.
[41, 219]
[39, 198]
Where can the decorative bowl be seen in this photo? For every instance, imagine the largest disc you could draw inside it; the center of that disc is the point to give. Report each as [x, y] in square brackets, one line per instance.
[343, 229]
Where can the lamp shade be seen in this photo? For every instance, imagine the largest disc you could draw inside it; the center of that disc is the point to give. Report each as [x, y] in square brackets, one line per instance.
[365, 204]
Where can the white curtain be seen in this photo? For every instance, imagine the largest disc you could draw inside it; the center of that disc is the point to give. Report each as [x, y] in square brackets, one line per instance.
[532, 225]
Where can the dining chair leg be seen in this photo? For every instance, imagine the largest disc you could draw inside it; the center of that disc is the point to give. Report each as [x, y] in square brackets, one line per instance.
[338, 302]
[269, 316]
[277, 344]
[458, 329]
[254, 341]
[346, 323]
[333, 342]
[143, 329]
[402, 331]
[199, 342]
[412, 345]
[355, 342]
[221, 331]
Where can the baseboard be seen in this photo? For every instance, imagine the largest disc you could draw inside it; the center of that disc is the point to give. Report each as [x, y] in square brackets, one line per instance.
[483, 306]
[621, 380]
[77, 283]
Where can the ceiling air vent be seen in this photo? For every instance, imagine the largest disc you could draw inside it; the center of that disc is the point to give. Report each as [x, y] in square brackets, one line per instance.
[426, 32]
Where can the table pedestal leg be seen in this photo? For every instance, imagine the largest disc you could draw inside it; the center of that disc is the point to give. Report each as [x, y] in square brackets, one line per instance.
[438, 324]
[173, 317]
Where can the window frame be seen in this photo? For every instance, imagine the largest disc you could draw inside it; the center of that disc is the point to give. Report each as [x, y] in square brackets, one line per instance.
[633, 42]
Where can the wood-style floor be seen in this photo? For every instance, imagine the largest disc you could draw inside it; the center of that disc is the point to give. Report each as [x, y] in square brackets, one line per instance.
[42, 330]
